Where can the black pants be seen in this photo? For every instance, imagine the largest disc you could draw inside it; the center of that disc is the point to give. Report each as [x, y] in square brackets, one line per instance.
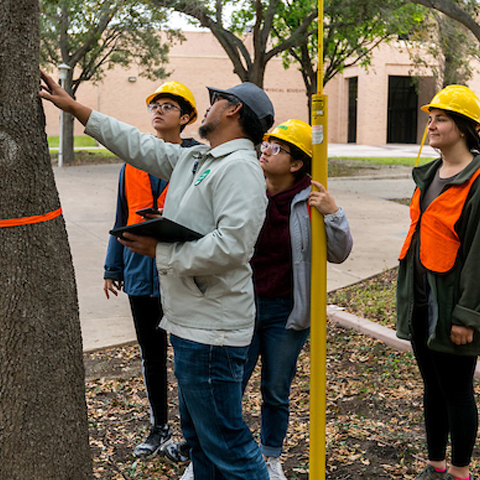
[147, 313]
[449, 401]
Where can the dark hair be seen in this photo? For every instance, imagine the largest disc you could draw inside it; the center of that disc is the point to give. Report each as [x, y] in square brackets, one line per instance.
[249, 122]
[297, 155]
[186, 108]
[468, 127]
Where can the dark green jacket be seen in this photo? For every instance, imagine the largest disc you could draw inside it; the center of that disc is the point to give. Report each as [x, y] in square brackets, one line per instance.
[455, 296]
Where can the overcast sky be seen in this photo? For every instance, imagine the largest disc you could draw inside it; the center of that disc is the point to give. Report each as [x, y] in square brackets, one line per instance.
[177, 20]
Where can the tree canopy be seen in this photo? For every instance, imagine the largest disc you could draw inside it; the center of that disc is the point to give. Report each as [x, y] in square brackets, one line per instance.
[463, 11]
[451, 44]
[91, 36]
[352, 30]
[95, 35]
[245, 36]
[259, 30]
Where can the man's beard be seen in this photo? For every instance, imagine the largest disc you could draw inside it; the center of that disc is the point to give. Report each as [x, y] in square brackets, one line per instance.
[203, 131]
[207, 128]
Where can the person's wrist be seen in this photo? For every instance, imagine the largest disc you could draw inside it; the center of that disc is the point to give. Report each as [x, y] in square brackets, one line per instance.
[332, 216]
[332, 211]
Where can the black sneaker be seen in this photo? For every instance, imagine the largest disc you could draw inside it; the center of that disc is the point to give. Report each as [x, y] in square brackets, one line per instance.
[429, 473]
[451, 477]
[176, 452]
[158, 437]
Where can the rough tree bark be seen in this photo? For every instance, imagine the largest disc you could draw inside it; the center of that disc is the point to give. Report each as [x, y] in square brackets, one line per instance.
[43, 417]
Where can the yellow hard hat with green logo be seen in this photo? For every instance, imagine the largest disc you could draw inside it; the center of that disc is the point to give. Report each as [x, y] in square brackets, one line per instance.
[296, 132]
[178, 90]
[458, 99]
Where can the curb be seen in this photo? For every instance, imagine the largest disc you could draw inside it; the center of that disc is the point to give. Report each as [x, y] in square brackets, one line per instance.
[384, 334]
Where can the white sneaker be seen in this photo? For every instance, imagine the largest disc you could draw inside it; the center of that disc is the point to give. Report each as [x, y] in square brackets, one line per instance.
[188, 473]
[274, 468]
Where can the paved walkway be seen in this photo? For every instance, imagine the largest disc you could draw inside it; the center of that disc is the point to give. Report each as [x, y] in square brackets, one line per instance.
[390, 150]
[88, 196]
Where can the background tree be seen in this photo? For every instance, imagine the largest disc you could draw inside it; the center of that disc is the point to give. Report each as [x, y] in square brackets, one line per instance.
[352, 30]
[91, 36]
[43, 417]
[259, 30]
[463, 11]
[245, 36]
[452, 46]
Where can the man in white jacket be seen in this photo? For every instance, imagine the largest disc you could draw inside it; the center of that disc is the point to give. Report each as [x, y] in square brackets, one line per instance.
[206, 284]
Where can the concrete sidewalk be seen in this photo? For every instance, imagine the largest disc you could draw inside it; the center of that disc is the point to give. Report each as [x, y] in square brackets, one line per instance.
[88, 197]
[390, 150]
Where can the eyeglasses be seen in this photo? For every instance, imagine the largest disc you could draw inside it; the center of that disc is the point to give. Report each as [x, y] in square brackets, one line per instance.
[221, 96]
[163, 107]
[274, 148]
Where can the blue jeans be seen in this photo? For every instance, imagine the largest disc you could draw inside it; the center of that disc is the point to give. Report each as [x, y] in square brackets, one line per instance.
[210, 402]
[279, 349]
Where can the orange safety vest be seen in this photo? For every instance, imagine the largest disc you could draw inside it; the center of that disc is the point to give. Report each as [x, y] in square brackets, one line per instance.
[439, 242]
[138, 192]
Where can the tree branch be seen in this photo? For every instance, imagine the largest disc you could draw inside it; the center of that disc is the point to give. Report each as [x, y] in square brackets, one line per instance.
[102, 25]
[452, 10]
[296, 38]
[232, 45]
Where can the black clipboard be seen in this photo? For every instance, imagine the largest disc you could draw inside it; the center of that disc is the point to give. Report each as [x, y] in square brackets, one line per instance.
[161, 228]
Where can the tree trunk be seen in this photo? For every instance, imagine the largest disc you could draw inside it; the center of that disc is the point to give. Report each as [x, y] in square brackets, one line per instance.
[43, 417]
[256, 73]
[68, 140]
[68, 120]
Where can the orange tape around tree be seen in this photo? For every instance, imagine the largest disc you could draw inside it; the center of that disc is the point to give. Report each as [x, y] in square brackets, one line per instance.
[14, 222]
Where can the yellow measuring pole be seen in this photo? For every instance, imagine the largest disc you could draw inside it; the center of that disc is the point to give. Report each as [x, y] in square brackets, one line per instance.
[318, 346]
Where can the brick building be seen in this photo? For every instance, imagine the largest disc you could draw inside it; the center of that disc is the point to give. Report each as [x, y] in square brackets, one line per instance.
[373, 107]
[198, 62]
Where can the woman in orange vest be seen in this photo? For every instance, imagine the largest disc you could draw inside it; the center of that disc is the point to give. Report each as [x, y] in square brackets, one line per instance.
[172, 108]
[438, 294]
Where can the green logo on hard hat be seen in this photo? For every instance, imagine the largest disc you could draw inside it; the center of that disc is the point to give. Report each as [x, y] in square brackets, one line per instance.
[201, 177]
[282, 127]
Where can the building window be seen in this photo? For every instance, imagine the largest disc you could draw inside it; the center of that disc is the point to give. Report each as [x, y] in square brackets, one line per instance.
[352, 109]
[402, 110]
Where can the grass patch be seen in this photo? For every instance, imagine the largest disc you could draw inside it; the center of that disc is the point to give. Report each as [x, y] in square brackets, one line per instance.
[89, 157]
[363, 166]
[81, 141]
[373, 298]
[402, 201]
[95, 152]
[407, 161]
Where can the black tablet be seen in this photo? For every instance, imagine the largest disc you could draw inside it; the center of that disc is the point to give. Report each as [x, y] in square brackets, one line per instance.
[162, 229]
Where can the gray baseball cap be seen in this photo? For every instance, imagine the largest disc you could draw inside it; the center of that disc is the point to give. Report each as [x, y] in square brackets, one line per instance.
[255, 98]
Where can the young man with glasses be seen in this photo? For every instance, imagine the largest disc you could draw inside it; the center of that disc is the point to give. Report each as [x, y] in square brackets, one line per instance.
[207, 291]
[172, 107]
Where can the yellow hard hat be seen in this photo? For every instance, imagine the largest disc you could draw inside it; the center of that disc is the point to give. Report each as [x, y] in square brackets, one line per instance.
[296, 132]
[458, 99]
[178, 90]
